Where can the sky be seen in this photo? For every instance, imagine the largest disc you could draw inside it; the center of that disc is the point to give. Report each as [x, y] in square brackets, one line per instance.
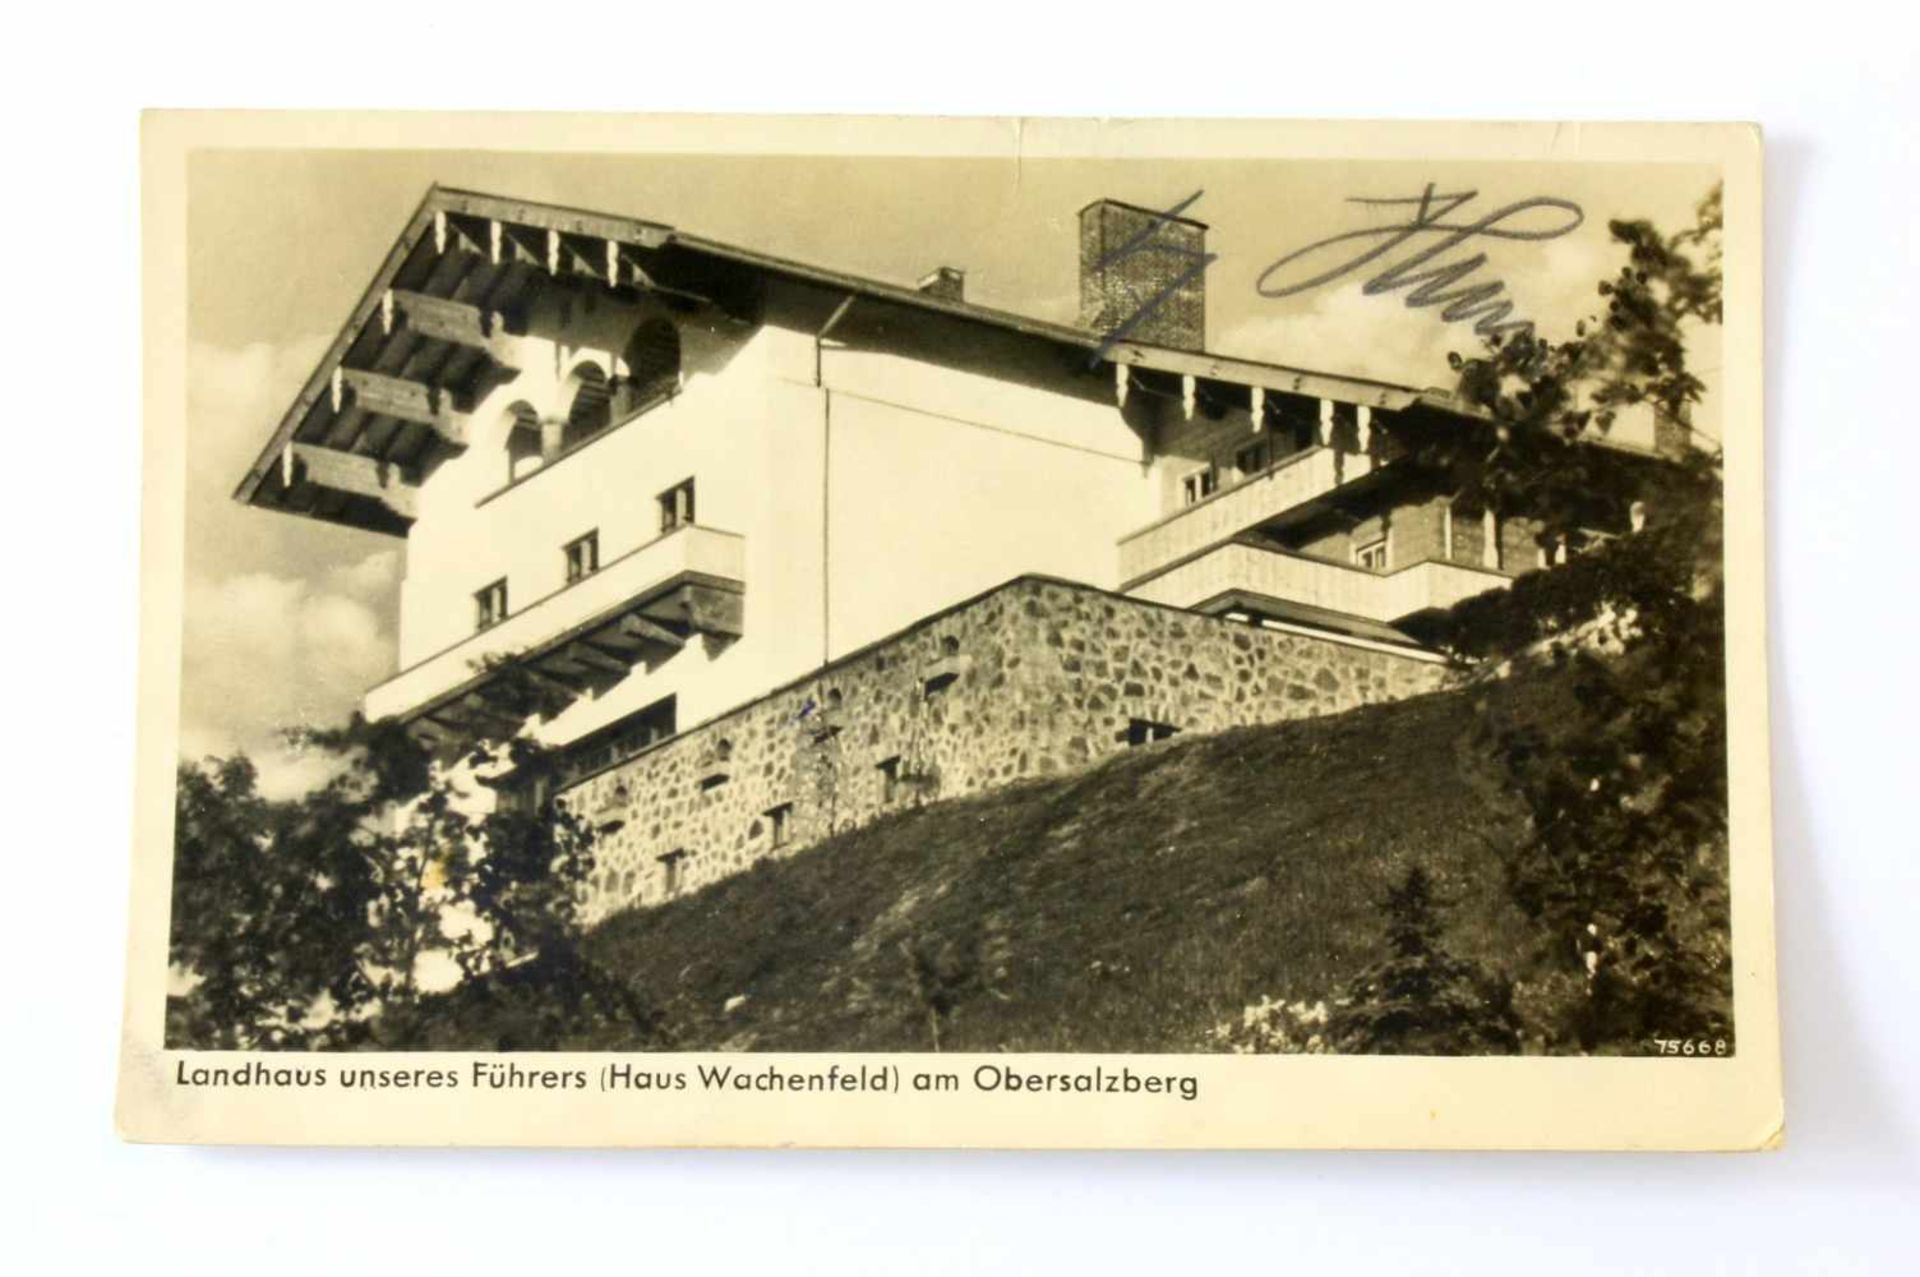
[289, 620]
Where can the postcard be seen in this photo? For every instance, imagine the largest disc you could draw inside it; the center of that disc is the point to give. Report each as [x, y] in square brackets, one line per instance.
[766, 631]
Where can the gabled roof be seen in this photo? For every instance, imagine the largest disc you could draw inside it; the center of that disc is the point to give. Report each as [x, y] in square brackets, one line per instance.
[419, 344]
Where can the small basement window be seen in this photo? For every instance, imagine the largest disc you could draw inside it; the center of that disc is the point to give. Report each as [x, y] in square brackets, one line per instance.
[1372, 556]
[890, 779]
[779, 824]
[673, 866]
[944, 670]
[1145, 731]
[583, 556]
[490, 605]
[676, 506]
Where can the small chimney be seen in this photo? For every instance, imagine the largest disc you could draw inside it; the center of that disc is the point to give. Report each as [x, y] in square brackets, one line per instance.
[1129, 256]
[947, 283]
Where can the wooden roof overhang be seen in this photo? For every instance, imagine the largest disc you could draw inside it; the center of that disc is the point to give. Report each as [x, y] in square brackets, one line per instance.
[426, 341]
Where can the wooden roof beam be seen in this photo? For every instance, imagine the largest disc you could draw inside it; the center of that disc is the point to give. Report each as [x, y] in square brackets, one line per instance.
[582, 256]
[544, 216]
[639, 630]
[593, 658]
[706, 609]
[560, 687]
[630, 269]
[445, 320]
[715, 611]
[351, 472]
[431, 406]
[551, 668]
[460, 235]
[477, 709]
[510, 242]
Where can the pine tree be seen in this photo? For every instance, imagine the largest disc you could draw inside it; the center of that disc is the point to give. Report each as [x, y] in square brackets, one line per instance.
[1420, 999]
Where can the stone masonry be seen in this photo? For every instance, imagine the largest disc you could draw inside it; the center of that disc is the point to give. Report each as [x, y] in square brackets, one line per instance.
[1037, 677]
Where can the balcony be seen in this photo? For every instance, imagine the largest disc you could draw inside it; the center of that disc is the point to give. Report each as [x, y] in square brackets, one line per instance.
[1242, 568]
[637, 609]
[1286, 485]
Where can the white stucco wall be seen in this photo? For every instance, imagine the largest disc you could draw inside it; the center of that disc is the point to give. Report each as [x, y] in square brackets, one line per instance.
[918, 484]
[946, 483]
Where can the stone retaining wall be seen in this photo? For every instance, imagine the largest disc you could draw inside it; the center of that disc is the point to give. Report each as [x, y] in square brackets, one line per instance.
[1035, 678]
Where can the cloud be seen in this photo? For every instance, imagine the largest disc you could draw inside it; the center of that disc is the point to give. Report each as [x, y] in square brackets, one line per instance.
[235, 398]
[370, 580]
[287, 621]
[263, 653]
[1341, 329]
[1345, 331]
[1564, 288]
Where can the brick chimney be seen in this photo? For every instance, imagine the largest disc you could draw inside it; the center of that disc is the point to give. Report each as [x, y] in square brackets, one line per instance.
[1128, 257]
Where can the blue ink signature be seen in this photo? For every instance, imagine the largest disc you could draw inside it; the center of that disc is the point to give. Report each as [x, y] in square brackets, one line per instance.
[1481, 303]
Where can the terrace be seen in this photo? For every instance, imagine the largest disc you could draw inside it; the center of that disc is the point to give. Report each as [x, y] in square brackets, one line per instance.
[638, 609]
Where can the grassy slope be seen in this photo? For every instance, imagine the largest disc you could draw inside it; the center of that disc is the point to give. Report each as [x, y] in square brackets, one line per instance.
[1127, 908]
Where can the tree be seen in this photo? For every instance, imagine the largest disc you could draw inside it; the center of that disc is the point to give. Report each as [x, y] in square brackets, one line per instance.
[944, 974]
[305, 922]
[1421, 1000]
[1624, 858]
[270, 901]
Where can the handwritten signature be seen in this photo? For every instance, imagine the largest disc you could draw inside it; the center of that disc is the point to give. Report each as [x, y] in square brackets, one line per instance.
[1482, 303]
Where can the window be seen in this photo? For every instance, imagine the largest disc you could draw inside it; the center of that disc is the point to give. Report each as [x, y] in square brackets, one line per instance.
[1200, 485]
[780, 824]
[1144, 731]
[524, 452]
[590, 411]
[583, 556]
[1372, 557]
[622, 740]
[523, 798]
[490, 605]
[1342, 426]
[718, 763]
[673, 868]
[652, 362]
[676, 506]
[1253, 458]
[890, 779]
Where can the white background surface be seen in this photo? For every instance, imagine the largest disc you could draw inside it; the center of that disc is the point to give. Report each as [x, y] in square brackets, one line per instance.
[1833, 84]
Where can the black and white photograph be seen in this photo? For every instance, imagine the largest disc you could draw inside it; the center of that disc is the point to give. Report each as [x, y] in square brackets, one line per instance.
[700, 608]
